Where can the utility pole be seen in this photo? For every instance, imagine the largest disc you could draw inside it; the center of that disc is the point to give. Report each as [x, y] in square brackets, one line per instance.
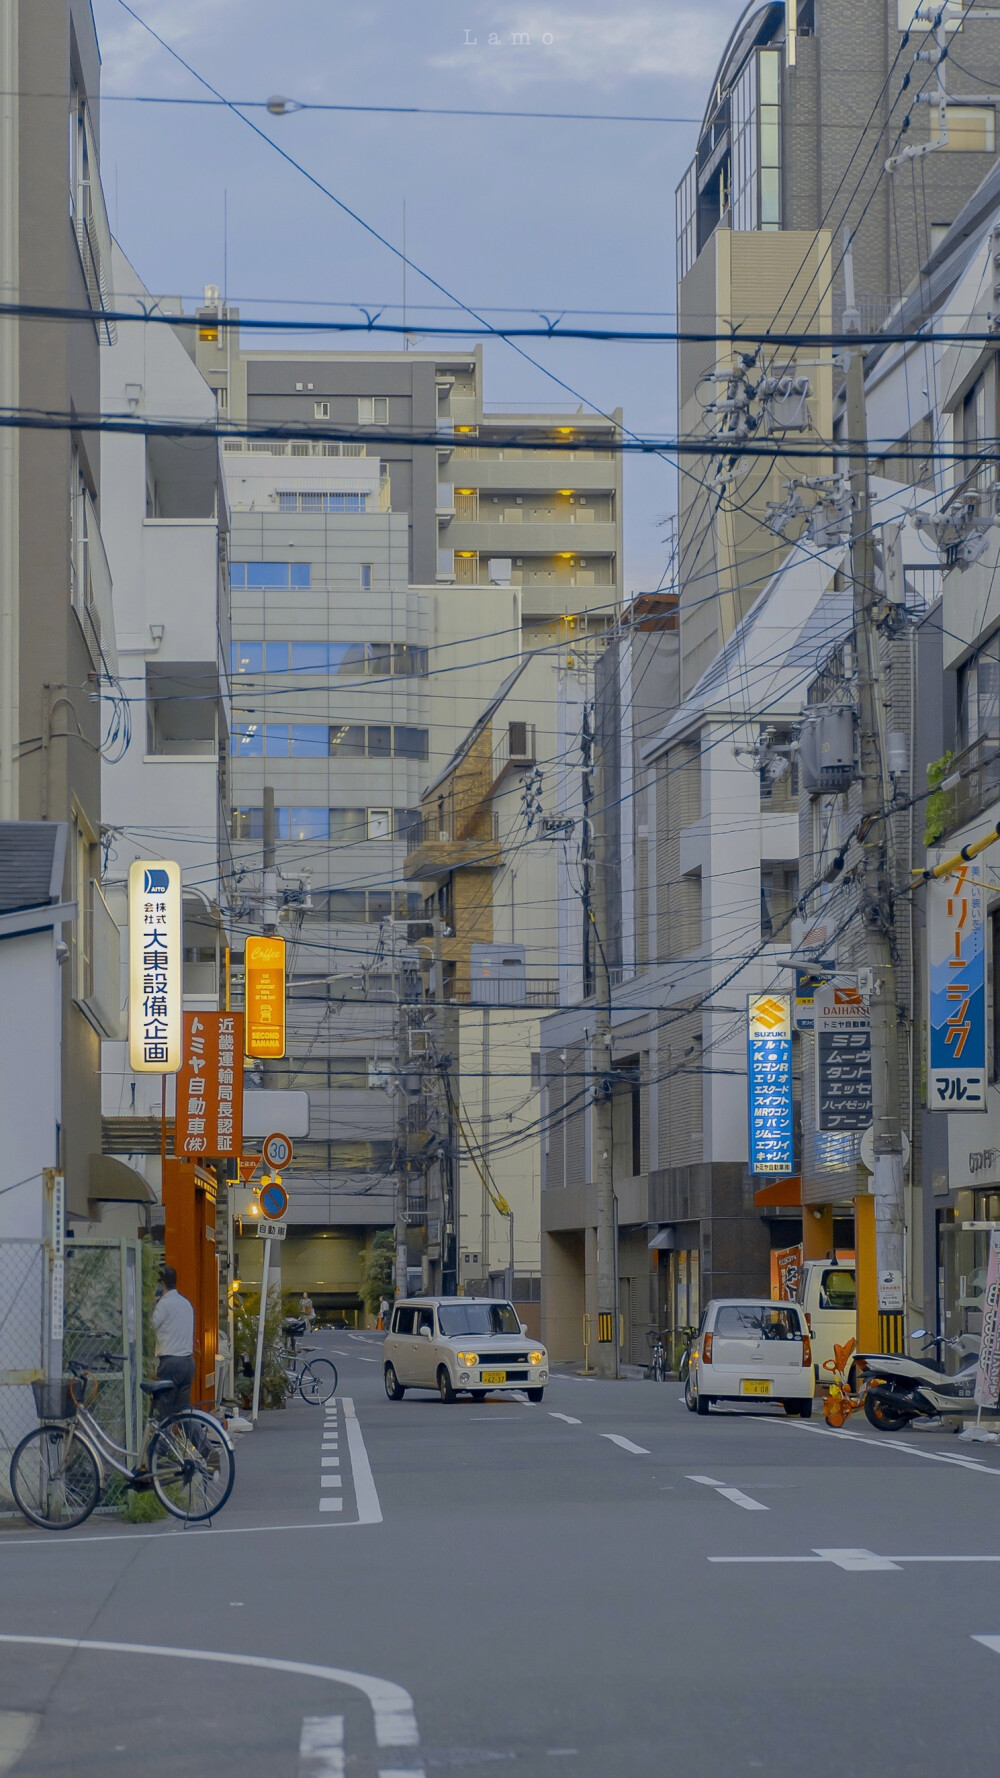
[876, 796]
[596, 932]
[269, 906]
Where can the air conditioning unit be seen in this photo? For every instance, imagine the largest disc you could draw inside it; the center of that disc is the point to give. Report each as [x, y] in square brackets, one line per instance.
[499, 570]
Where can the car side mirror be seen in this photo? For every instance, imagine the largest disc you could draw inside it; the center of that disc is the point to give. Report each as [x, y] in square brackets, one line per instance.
[524, 1328]
[918, 1333]
[427, 1333]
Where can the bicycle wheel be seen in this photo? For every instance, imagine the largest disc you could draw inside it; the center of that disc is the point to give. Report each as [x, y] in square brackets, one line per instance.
[318, 1380]
[54, 1478]
[192, 1466]
[684, 1368]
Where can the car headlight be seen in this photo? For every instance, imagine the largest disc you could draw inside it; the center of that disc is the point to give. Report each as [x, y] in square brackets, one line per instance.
[536, 1357]
[468, 1358]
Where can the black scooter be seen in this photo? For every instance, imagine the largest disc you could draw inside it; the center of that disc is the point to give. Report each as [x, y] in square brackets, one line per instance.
[902, 1389]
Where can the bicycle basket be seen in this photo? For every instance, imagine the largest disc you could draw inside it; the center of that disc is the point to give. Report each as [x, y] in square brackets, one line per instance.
[54, 1399]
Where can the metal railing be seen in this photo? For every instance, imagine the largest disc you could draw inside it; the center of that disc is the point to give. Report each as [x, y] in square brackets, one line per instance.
[498, 992]
[978, 768]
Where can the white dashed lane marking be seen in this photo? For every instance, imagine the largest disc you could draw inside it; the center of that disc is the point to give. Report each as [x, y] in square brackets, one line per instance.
[570, 1419]
[736, 1495]
[625, 1444]
[321, 1747]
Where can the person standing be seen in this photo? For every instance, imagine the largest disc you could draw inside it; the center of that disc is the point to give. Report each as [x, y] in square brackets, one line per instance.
[173, 1326]
[383, 1315]
[307, 1311]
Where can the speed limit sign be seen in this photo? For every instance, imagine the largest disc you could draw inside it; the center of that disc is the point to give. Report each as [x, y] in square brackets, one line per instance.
[277, 1150]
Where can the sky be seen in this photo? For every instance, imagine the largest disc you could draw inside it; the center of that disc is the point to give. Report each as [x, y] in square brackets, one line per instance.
[504, 213]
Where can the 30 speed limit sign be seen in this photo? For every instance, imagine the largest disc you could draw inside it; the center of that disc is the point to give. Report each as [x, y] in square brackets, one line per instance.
[277, 1150]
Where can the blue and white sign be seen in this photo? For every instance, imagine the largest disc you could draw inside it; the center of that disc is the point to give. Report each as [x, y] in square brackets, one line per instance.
[956, 955]
[156, 984]
[769, 1082]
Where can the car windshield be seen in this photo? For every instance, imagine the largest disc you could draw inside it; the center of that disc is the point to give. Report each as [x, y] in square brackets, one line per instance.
[477, 1318]
[837, 1291]
[753, 1321]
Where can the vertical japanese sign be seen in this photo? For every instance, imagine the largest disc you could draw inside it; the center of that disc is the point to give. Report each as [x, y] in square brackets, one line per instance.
[956, 957]
[987, 1391]
[769, 1078]
[155, 967]
[264, 964]
[843, 1061]
[209, 1122]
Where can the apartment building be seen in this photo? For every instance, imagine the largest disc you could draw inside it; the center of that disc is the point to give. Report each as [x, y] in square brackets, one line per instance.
[531, 497]
[487, 853]
[810, 100]
[57, 648]
[166, 770]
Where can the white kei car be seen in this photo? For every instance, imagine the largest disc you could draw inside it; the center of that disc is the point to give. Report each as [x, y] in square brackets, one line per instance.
[752, 1349]
[458, 1343]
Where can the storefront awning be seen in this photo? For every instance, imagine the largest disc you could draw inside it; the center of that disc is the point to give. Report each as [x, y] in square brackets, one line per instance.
[784, 1192]
[664, 1241]
[113, 1182]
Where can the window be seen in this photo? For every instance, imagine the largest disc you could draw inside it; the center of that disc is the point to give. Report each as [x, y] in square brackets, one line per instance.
[745, 1323]
[373, 410]
[779, 892]
[379, 740]
[380, 904]
[348, 826]
[322, 502]
[410, 743]
[346, 907]
[303, 824]
[366, 577]
[221, 399]
[686, 203]
[247, 824]
[321, 410]
[837, 1289]
[408, 825]
[971, 128]
[248, 741]
[755, 195]
[379, 824]
[975, 429]
[979, 697]
[308, 740]
[247, 657]
[347, 659]
[402, 1321]
[269, 576]
[348, 739]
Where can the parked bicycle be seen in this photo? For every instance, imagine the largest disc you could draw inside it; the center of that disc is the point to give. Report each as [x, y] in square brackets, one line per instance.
[315, 1379]
[688, 1335]
[656, 1369]
[58, 1472]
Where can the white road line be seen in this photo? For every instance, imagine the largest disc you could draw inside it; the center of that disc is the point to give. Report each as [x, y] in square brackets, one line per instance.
[625, 1443]
[392, 1707]
[331, 1505]
[17, 1730]
[186, 1534]
[873, 1561]
[736, 1495]
[330, 1481]
[570, 1419]
[887, 1444]
[329, 1462]
[365, 1492]
[992, 1642]
[321, 1747]
[856, 1561]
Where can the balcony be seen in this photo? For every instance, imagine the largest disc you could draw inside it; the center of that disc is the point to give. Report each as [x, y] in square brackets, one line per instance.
[440, 845]
[515, 993]
[978, 788]
[534, 537]
[514, 751]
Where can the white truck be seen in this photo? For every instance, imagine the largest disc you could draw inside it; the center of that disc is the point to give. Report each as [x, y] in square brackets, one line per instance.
[827, 1293]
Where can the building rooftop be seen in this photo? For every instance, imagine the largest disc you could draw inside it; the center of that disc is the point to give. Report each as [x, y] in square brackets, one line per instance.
[32, 854]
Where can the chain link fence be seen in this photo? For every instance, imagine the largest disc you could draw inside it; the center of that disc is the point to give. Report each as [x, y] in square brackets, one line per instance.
[23, 1298]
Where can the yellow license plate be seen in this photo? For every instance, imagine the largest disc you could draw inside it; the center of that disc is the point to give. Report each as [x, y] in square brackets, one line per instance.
[755, 1386]
[493, 1376]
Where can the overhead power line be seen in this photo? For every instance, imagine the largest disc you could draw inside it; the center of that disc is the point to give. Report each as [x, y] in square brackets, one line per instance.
[155, 316]
[882, 451]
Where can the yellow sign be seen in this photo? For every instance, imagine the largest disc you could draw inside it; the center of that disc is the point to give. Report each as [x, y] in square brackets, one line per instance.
[264, 1025]
[156, 966]
[770, 1016]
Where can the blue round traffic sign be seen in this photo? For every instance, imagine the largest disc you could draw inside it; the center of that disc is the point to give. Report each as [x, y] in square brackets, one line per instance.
[273, 1200]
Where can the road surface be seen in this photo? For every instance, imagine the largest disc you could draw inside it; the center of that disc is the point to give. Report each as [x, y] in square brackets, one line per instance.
[601, 1585]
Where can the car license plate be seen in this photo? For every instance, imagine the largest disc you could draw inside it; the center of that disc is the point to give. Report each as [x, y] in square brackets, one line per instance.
[755, 1386]
[493, 1376]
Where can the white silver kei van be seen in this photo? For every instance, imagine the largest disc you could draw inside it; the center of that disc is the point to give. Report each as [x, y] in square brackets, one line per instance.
[457, 1343]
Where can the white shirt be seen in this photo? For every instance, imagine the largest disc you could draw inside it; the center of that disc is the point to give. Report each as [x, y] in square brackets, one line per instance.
[173, 1325]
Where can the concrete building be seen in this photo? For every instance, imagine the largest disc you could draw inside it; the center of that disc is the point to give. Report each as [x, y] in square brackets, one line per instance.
[809, 102]
[57, 648]
[166, 772]
[541, 513]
